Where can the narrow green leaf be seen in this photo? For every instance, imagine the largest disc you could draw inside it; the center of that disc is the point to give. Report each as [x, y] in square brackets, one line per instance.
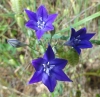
[93, 16]
[97, 42]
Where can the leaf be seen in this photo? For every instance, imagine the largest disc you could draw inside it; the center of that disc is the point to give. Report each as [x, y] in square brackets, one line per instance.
[97, 95]
[93, 16]
[72, 57]
[97, 42]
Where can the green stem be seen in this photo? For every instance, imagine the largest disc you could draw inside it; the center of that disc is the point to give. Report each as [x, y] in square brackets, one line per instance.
[52, 94]
[92, 73]
[51, 39]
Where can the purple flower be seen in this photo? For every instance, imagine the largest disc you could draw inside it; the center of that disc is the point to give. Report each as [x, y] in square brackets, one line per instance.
[40, 21]
[49, 69]
[80, 39]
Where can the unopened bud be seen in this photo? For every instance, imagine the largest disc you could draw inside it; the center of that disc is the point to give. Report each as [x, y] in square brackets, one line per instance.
[15, 43]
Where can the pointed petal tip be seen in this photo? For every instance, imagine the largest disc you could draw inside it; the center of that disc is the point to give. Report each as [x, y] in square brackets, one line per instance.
[51, 91]
[25, 10]
[70, 80]
[49, 45]
[93, 34]
[72, 28]
[90, 35]
[26, 24]
[27, 83]
[49, 82]
[79, 53]
[32, 62]
[66, 43]
[42, 5]
[84, 28]
[78, 50]
[56, 14]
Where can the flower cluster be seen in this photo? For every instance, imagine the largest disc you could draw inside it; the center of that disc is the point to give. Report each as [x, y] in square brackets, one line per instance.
[48, 68]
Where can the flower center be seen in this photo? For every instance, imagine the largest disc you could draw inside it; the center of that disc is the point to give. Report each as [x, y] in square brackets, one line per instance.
[76, 40]
[40, 23]
[47, 68]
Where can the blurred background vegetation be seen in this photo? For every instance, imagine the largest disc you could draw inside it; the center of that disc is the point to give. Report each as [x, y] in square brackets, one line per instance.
[15, 63]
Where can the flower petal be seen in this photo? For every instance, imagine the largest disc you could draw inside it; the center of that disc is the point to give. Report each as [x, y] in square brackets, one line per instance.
[31, 15]
[51, 18]
[68, 43]
[72, 33]
[42, 12]
[80, 32]
[78, 50]
[49, 81]
[37, 77]
[31, 24]
[39, 33]
[49, 54]
[37, 63]
[85, 44]
[59, 63]
[48, 28]
[87, 36]
[59, 75]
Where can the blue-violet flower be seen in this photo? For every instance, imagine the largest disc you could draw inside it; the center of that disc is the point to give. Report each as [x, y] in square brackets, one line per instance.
[80, 39]
[40, 21]
[49, 70]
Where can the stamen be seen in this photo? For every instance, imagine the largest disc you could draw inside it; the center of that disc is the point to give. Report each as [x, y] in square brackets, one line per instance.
[47, 68]
[48, 63]
[78, 36]
[40, 23]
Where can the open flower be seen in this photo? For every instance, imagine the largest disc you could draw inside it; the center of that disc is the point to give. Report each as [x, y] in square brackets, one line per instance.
[40, 21]
[80, 39]
[49, 69]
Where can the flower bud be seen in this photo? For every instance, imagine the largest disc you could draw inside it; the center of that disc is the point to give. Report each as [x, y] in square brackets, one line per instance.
[15, 43]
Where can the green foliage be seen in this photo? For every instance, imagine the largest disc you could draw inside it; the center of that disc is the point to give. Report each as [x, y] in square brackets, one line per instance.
[17, 6]
[74, 14]
[97, 95]
[76, 24]
[20, 21]
[72, 57]
[59, 90]
[7, 55]
[97, 42]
